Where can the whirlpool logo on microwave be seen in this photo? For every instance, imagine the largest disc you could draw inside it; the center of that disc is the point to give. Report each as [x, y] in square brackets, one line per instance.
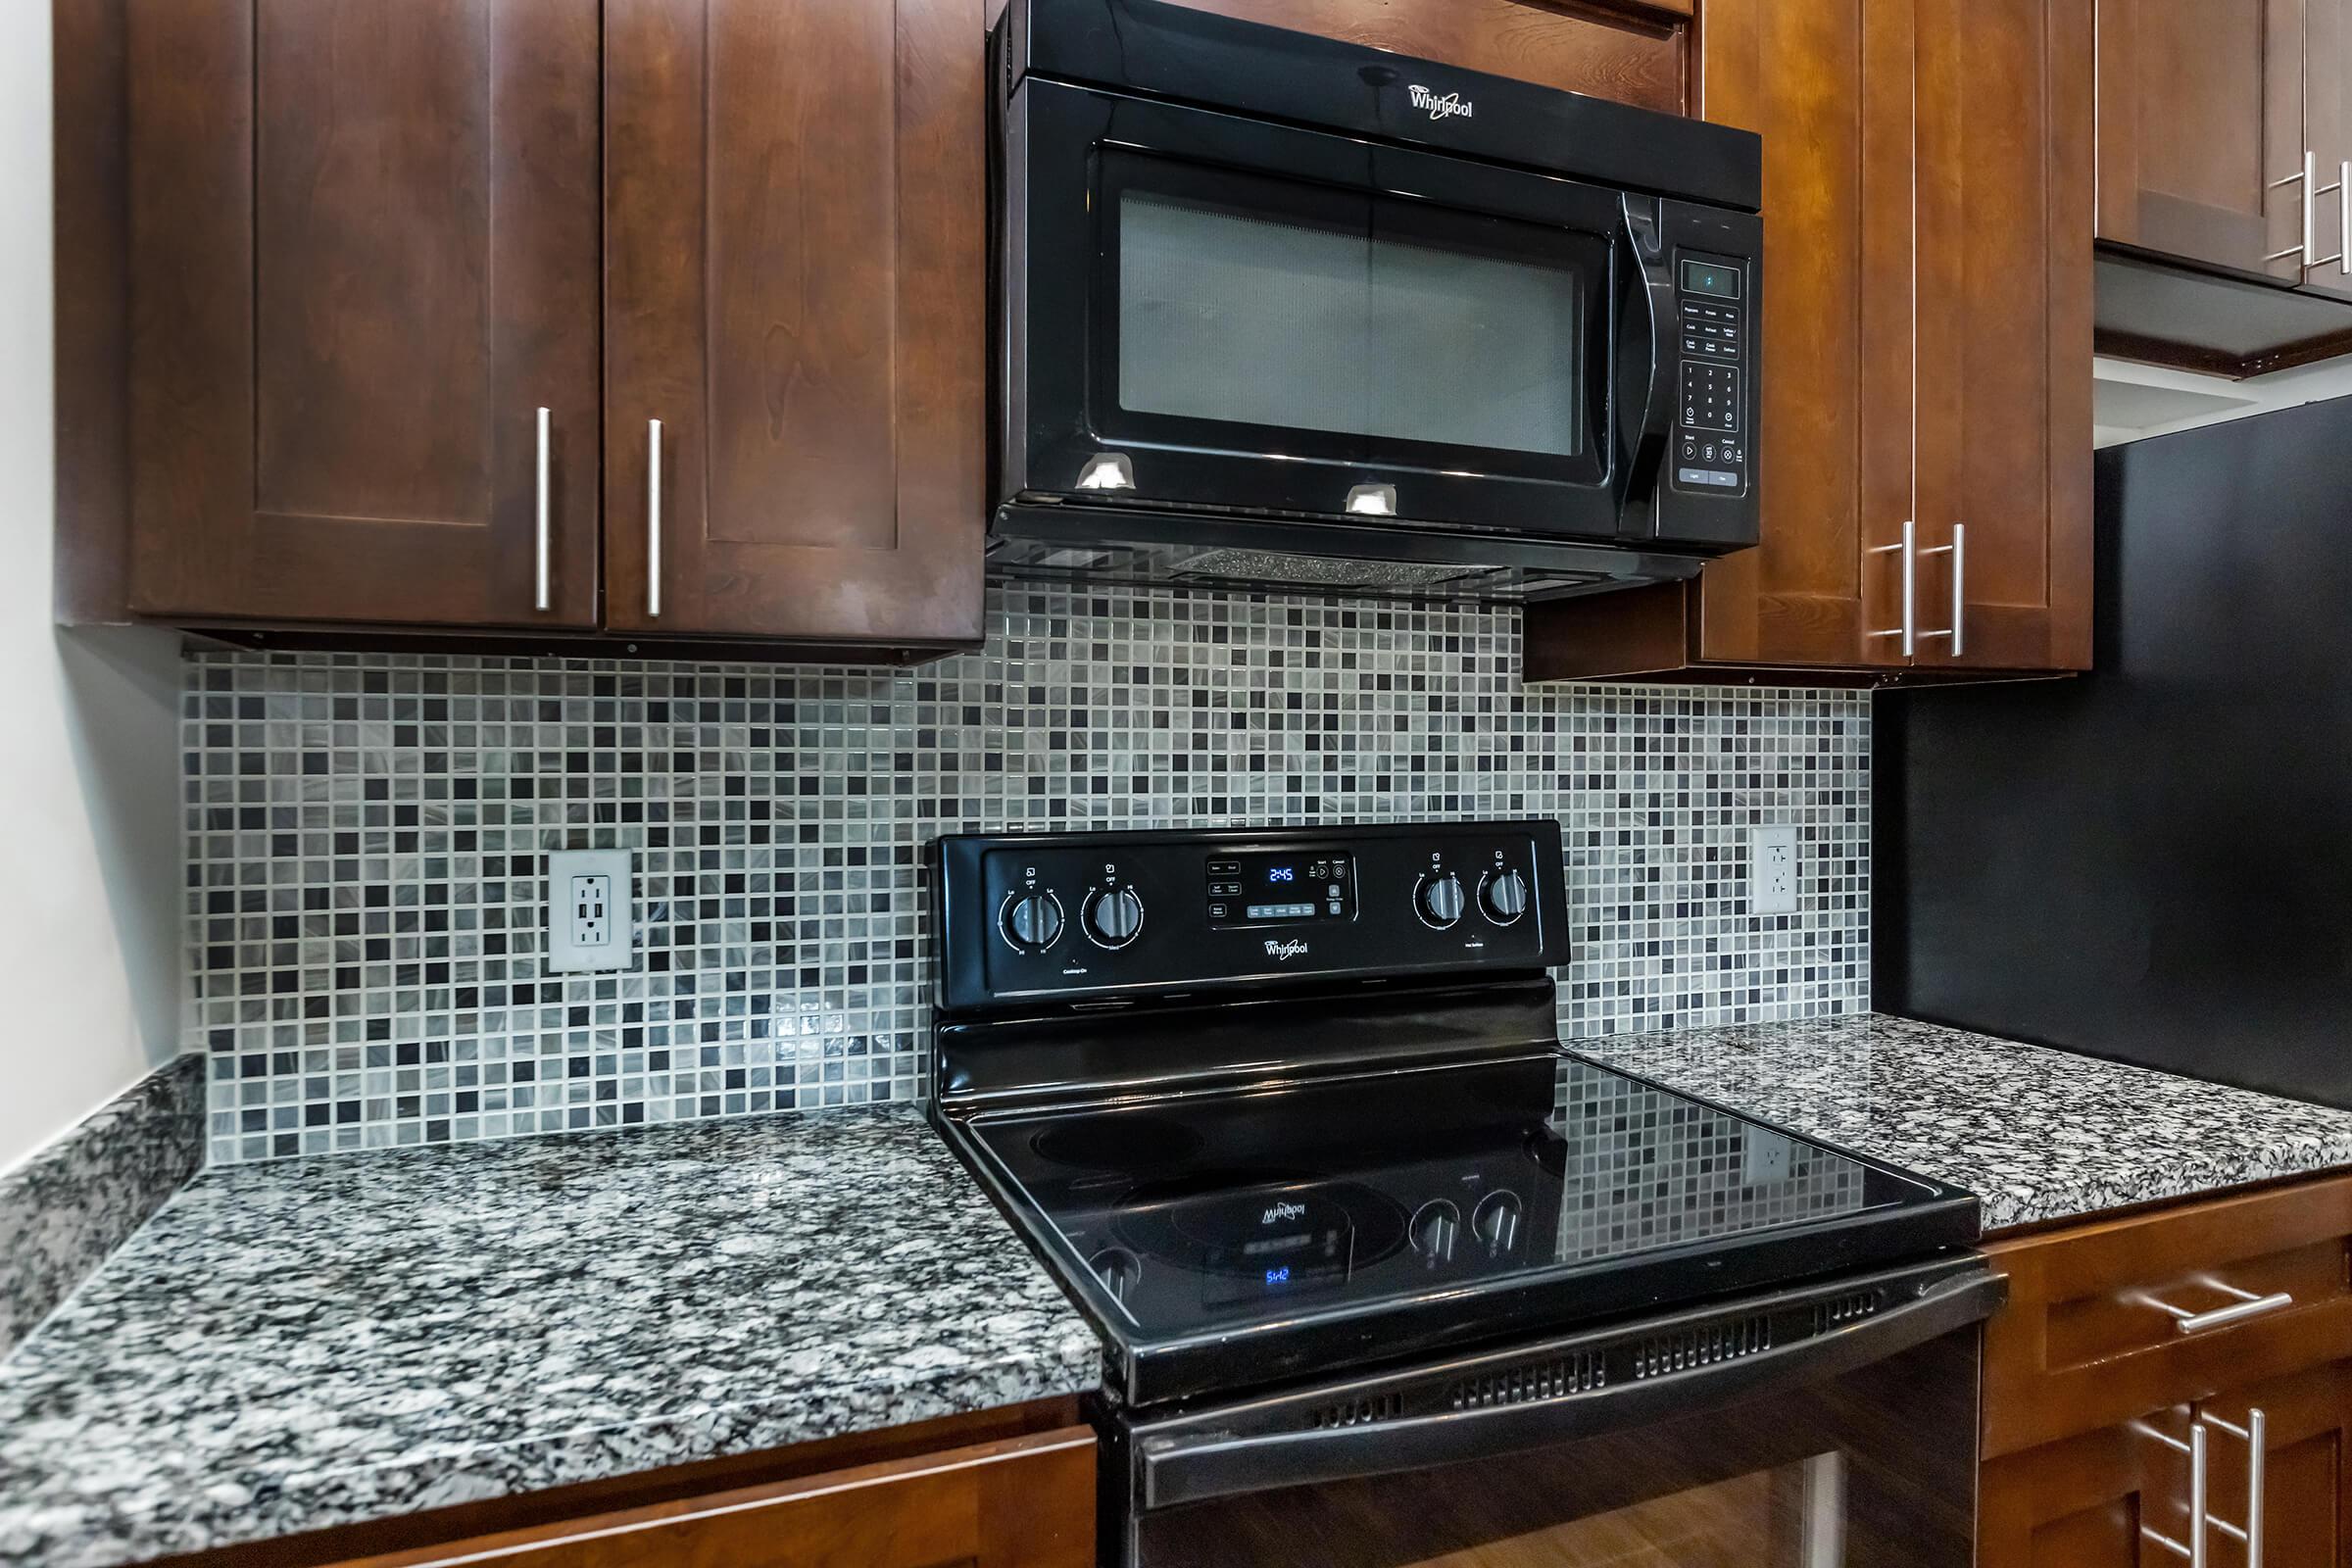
[1284, 952]
[1453, 103]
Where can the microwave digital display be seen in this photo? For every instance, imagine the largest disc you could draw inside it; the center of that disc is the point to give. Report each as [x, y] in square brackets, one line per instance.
[1708, 277]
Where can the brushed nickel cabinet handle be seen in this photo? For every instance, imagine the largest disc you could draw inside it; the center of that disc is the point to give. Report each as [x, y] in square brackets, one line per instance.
[541, 597]
[1958, 551]
[653, 518]
[1908, 631]
[2256, 1433]
[2343, 182]
[2309, 177]
[2247, 1305]
[2194, 1547]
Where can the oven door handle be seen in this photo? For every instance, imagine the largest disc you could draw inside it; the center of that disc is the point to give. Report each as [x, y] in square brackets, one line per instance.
[1186, 1469]
[1644, 349]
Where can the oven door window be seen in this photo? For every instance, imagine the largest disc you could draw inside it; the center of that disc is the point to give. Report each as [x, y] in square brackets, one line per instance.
[1238, 311]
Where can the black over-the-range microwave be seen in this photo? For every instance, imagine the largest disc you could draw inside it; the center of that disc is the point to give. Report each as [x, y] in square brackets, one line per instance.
[1285, 312]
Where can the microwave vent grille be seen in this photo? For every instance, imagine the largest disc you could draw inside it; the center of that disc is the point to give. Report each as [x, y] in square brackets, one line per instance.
[1537, 1380]
[1315, 572]
[1701, 1346]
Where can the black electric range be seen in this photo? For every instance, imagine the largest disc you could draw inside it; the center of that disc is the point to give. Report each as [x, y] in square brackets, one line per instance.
[1247, 1173]
[1287, 1110]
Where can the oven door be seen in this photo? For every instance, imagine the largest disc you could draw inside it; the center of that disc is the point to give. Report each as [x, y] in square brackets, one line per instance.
[1830, 1427]
[1208, 311]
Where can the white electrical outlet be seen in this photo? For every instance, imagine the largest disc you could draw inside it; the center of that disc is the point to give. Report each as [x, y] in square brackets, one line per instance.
[1771, 869]
[588, 925]
[1763, 1158]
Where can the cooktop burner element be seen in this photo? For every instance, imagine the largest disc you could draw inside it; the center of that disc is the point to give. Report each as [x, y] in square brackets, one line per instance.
[1248, 1171]
[1137, 1143]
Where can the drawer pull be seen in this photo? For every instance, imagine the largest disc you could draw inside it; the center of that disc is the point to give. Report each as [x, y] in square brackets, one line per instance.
[2247, 1305]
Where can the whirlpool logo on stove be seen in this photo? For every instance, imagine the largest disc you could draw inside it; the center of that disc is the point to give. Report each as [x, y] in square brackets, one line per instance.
[1284, 952]
[1437, 107]
[1282, 1211]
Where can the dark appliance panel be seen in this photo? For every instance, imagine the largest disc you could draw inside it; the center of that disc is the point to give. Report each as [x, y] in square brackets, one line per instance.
[1068, 918]
[2147, 863]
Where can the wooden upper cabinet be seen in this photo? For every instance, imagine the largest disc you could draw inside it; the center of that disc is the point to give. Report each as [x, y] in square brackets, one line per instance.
[2200, 109]
[2003, 334]
[1632, 51]
[363, 239]
[1827, 84]
[795, 294]
[1926, 352]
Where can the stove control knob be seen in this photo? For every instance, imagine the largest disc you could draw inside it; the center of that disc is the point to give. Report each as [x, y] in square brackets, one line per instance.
[1434, 1226]
[1495, 1222]
[1118, 1269]
[1114, 916]
[1032, 921]
[1503, 896]
[1438, 899]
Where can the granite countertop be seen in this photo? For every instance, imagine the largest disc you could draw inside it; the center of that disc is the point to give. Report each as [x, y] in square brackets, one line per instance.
[2037, 1135]
[309, 1342]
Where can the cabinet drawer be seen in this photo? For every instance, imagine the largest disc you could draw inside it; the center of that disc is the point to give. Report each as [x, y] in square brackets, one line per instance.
[2110, 1320]
[1021, 1503]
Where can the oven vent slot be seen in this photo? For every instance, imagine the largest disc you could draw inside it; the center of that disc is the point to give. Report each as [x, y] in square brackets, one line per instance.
[1540, 1380]
[1356, 1412]
[1717, 1342]
[1841, 1310]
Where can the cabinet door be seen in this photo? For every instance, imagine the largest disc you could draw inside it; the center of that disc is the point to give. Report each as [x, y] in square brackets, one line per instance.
[1828, 86]
[2200, 108]
[2003, 448]
[2307, 1469]
[364, 240]
[795, 195]
[2090, 1501]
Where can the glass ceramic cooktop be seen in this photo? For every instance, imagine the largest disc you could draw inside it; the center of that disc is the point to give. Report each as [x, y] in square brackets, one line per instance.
[1201, 1212]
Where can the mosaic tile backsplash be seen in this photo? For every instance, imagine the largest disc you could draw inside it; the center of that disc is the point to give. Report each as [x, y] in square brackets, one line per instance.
[366, 900]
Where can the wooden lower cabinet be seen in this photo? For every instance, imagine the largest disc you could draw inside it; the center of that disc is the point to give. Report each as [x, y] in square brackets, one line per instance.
[1020, 1502]
[2083, 1502]
[2096, 1386]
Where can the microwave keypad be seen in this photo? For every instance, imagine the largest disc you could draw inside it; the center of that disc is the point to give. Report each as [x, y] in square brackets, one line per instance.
[1710, 437]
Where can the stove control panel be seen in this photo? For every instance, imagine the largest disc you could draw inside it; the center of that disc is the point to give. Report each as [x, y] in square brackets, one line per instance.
[1085, 916]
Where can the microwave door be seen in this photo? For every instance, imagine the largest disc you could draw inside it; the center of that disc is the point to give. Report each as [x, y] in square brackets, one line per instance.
[1228, 314]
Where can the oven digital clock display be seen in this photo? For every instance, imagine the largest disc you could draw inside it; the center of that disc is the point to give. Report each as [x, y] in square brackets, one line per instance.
[1280, 889]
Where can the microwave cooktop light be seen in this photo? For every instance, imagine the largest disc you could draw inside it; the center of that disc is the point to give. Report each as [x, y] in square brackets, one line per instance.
[1107, 470]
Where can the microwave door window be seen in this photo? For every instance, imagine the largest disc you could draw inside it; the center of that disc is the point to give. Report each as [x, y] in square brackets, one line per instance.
[1474, 350]
[1241, 318]
[1288, 318]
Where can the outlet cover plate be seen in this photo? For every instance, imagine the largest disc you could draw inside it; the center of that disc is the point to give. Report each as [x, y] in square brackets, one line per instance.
[1771, 869]
[588, 910]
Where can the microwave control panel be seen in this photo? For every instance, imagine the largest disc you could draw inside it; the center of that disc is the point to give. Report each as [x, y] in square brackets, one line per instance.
[1711, 423]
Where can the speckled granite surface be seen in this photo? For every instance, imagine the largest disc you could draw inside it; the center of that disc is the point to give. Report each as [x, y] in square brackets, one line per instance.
[66, 1208]
[2036, 1135]
[306, 1343]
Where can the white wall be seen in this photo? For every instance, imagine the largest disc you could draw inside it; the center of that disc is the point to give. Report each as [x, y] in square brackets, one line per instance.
[2131, 400]
[89, 843]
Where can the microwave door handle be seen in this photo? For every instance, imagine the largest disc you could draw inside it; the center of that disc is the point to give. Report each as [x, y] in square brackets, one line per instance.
[1645, 353]
[1180, 1470]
